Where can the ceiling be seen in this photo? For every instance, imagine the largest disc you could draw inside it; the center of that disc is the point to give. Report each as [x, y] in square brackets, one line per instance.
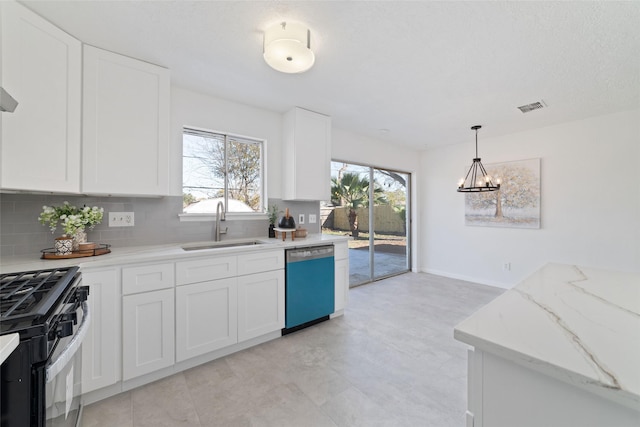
[416, 73]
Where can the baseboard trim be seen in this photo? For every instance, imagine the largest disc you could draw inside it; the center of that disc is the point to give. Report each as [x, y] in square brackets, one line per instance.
[466, 278]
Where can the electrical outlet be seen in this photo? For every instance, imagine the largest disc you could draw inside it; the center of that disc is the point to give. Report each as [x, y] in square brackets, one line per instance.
[121, 219]
[506, 266]
[312, 219]
[300, 218]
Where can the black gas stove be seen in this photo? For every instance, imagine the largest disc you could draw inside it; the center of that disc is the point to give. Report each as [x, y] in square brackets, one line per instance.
[48, 309]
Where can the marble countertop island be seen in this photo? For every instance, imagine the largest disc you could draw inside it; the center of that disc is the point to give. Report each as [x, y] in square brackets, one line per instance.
[577, 324]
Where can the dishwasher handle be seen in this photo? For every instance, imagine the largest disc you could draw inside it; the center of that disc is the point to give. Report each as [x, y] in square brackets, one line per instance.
[307, 254]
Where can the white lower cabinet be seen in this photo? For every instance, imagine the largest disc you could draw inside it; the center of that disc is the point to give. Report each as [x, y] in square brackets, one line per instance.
[224, 300]
[152, 316]
[101, 348]
[206, 317]
[148, 318]
[260, 304]
[148, 322]
[341, 255]
[341, 283]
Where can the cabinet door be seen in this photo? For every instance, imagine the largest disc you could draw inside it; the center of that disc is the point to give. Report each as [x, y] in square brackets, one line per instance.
[125, 139]
[101, 349]
[148, 332]
[41, 69]
[307, 155]
[206, 317]
[341, 283]
[260, 304]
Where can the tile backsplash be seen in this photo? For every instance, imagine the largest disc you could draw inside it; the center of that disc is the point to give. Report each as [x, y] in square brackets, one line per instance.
[156, 222]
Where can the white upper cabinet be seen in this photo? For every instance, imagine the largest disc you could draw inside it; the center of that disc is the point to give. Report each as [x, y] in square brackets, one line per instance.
[42, 70]
[306, 155]
[125, 137]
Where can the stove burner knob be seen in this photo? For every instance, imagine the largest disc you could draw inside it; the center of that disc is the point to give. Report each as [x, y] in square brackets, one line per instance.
[65, 329]
[73, 317]
[82, 293]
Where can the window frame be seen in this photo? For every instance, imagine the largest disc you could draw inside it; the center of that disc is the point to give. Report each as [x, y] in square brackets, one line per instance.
[211, 216]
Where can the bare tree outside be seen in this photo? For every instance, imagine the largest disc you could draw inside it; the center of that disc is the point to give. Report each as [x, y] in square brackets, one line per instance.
[208, 161]
[243, 174]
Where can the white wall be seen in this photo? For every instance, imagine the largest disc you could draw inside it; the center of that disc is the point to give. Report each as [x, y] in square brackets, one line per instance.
[354, 148]
[590, 202]
[190, 108]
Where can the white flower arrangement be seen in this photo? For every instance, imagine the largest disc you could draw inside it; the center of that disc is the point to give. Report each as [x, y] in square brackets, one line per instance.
[73, 219]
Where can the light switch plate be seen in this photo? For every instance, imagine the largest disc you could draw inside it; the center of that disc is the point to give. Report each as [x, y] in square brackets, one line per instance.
[121, 219]
[300, 218]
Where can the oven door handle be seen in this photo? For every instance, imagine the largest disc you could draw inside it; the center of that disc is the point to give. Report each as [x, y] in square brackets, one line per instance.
[72, 347]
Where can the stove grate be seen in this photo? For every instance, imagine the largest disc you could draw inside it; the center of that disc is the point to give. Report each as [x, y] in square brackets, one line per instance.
[32, 293]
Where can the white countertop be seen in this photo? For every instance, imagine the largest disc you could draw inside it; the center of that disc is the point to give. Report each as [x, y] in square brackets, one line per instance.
[8, 343]
[172, 251]
[576, 324]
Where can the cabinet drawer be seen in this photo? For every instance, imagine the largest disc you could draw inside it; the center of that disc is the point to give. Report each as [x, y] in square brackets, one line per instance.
[147, 278]
[204, 269]
[340, 250]
[258, 262]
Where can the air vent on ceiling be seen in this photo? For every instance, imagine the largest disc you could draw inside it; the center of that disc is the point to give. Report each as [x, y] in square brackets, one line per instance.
[532, 106]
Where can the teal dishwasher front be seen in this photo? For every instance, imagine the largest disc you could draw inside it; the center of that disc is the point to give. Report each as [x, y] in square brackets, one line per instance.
[310, 289]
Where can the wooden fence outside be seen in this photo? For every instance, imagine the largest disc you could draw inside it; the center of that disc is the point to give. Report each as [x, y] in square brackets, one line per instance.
[387, 220]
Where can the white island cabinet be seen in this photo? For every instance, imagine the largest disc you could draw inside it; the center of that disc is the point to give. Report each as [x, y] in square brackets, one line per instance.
[147, 319]
[42, 70]
[559, 349]
[125, 137]
[101, 348]
[306, 155]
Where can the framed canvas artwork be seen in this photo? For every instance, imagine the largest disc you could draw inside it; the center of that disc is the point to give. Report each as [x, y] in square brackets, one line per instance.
[516, 204]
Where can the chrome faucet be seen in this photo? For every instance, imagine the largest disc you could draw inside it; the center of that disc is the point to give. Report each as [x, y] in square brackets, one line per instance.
[219, 217]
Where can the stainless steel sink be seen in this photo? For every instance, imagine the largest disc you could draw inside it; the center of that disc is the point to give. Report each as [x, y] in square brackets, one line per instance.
[219, 245]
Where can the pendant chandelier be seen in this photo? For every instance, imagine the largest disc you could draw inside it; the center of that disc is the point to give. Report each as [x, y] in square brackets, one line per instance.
[477, 179]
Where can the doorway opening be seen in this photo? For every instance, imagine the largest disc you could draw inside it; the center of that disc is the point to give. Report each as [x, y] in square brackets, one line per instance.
[371, 205]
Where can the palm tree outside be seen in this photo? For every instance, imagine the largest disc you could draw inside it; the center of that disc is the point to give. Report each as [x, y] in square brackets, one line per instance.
[352, 191]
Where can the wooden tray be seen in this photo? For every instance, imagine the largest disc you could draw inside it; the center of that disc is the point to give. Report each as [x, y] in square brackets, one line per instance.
[101, 249]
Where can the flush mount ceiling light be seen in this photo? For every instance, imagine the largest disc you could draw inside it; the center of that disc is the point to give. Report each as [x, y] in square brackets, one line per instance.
[477, 179]
[287, 47]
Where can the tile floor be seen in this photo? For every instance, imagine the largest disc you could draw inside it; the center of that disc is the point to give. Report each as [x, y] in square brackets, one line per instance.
[384, 263]
[391, 360]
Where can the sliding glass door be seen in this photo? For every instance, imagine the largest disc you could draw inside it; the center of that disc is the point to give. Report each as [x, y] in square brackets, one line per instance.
[389, 228]
[371, 206]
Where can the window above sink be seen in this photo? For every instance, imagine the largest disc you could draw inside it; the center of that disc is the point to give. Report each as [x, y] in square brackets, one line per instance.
[219, 167]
